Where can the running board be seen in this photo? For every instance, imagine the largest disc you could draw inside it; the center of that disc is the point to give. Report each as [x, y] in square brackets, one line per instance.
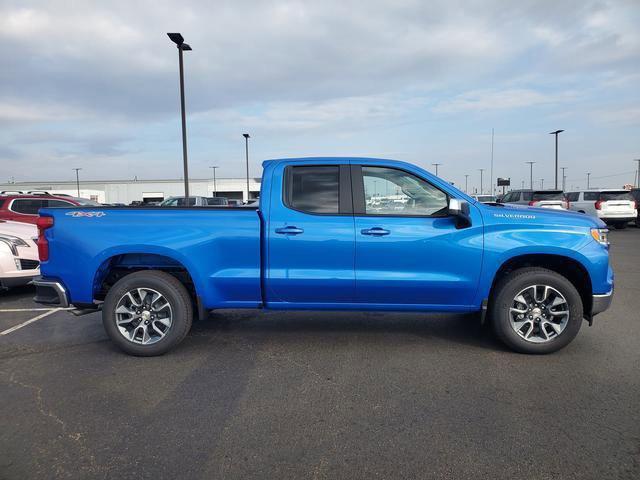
[78, 312]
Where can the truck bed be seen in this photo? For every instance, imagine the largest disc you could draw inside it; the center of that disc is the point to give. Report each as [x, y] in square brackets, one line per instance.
[219, 246]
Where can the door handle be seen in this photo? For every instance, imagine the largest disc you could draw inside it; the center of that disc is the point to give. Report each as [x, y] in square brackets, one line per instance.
[291, 230]
[375, 231]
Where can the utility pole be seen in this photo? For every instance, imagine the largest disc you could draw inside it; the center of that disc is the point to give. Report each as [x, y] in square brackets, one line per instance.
[436, 165]
[530, 174]
[564, 178]
[588, 180]
[491, 192]
[77, 179]
[481, 171]
[182, 47]
[556, 167]
[246, 151]
[215, 190]
[542, 184]
[638, 172]
[466, 184]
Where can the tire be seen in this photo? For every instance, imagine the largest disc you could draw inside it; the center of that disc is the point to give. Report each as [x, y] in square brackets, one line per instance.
[504, 320]
[157, 287]
[620, 226]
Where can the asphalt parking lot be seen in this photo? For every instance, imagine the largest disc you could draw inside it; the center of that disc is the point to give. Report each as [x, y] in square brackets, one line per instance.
[322, 395]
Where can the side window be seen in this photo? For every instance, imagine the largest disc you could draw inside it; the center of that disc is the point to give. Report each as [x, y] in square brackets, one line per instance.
[58, 203]
[508, 198]
[27, 206]
[573, 196]
[591, 196]
[313, 189]
[388, 191]
[527, 196]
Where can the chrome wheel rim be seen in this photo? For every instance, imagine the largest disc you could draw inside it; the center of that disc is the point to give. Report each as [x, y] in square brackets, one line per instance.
[539, 313]
[143, 316]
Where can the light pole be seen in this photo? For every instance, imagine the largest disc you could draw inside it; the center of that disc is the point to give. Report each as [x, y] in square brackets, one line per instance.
[246, 151]
[182, 47]
[588, 180]
[638, 172]
[556, 169]
[481, 171]
[215, 190]
[542, 184]
[436, 165]
[530, 174]
[466, 183]
[564, 178]
[77, 179]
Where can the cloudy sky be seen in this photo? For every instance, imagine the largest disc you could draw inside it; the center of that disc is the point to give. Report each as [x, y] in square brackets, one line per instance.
[95, 85]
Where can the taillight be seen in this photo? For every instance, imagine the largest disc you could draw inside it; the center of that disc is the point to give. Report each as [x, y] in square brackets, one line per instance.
[598, 204]
[566, 204]
[43, 245]
[532, 203]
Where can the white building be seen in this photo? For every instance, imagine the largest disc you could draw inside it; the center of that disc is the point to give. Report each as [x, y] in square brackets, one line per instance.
[127, 191]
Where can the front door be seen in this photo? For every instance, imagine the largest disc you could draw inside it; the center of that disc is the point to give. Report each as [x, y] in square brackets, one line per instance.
[310, 237]
[408, 249]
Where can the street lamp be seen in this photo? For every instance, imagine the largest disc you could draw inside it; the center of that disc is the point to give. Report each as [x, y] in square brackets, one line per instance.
[436, 165]
[466, 183]
[556, 169]
[638, 172]
[542, 184]
[77, 179]
[246, 151]
[588, 180]
[179, 41]
[481, 171]
[564, 178]
[215, 190]
[530, 174]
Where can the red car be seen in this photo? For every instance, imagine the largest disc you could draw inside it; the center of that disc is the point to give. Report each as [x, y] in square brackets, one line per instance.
[24, 207]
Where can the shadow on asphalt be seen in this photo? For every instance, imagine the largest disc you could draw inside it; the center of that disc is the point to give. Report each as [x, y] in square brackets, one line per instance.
[324, 326]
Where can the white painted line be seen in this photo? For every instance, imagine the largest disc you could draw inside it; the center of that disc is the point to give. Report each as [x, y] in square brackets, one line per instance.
[10, 310]
[34, 319]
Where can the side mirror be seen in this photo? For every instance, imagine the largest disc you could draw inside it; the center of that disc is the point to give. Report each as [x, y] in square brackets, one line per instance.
[460, 210]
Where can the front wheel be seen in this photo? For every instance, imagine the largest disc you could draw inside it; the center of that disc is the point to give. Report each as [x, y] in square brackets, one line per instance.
[535, 310]
[147, 313]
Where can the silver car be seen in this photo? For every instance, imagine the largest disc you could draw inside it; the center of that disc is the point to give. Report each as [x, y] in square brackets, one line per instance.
[538, 198]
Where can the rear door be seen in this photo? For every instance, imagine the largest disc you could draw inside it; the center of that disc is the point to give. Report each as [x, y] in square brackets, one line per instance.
[310, 235]
[553, 199]
[411, 256]
[617, 204]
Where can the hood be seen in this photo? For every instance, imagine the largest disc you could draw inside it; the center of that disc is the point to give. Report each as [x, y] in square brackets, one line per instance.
[25, 231]
[541, 216]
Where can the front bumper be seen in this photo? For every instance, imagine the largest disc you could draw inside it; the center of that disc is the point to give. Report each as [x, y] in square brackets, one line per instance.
[600, 303]
[50, 292]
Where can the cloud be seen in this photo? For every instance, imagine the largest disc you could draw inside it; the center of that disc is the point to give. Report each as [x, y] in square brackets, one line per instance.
[483, 100]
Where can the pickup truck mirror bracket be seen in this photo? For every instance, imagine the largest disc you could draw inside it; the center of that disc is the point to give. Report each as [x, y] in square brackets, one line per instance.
[460, 210]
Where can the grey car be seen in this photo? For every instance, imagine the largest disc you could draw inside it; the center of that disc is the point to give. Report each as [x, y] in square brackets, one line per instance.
[537, 198]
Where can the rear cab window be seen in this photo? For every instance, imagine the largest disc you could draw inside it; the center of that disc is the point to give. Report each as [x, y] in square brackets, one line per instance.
[313, 189]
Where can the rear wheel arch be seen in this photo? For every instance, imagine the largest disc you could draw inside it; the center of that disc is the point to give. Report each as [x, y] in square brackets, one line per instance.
[118, 266]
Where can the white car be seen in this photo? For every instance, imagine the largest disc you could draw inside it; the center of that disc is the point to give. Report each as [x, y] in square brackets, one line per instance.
[613, 207]
[19, 262]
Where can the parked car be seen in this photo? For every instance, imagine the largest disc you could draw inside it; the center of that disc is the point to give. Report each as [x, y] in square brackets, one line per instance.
[24, 207]
[537, 198]
[195, 201]
[19, 262]
[635, 193]
[313, 243]
[234, 202]
[484, 198]
[614, 207]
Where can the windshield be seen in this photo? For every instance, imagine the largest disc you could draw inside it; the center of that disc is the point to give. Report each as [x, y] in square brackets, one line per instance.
[552, 195]
[217, 201]
[86, 202]
[178, 202]
[621, 195]
[486, 198]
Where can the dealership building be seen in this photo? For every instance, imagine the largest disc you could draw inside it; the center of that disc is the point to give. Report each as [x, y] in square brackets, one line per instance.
[127, 191]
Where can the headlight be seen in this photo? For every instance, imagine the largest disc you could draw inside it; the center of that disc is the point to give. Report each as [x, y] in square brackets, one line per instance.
[13, 242]
[600, 235]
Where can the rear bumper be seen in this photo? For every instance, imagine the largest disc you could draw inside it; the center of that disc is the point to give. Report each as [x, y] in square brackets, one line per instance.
[50, 292]
[600, 303]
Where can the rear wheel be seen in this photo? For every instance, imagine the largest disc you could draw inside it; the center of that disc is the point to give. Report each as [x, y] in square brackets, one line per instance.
[147, 313]
[535, 310]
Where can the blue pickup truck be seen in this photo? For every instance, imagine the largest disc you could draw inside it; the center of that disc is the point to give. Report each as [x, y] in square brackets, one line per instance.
[329, 234]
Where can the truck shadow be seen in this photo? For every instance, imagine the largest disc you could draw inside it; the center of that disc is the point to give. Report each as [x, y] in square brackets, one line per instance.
[287, 327]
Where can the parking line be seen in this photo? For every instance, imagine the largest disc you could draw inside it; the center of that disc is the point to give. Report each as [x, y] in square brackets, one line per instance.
[34, 319]
[13, 310]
